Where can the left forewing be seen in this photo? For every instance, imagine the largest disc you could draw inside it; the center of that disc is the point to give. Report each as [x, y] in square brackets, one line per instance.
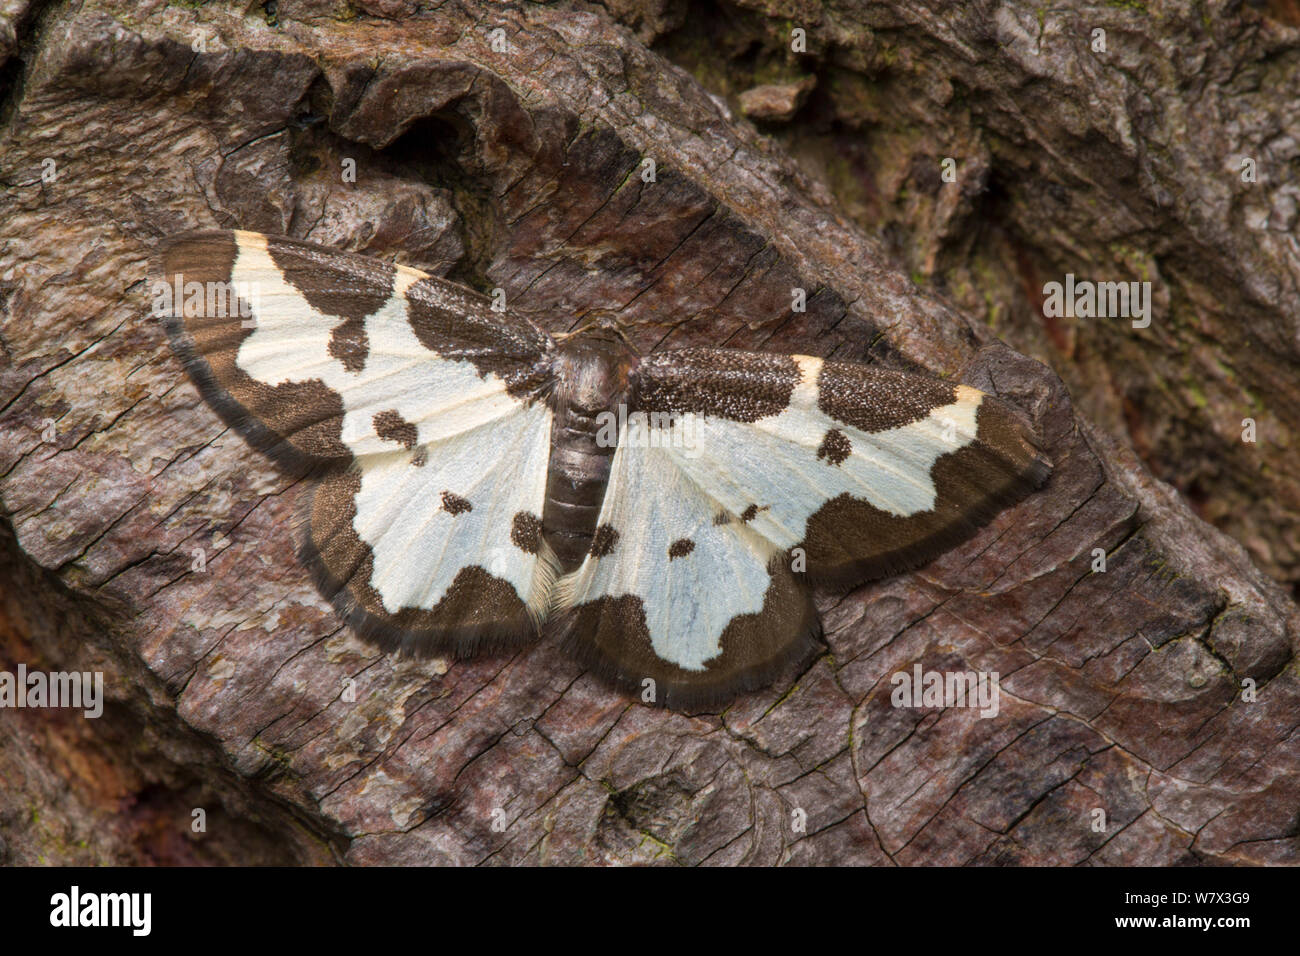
[421, 409]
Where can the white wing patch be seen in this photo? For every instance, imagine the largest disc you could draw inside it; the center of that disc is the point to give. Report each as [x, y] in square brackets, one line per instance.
[290, 342]
[689, 599]
[446, 496]
[769, 478]
[421, 538]
[772, 465]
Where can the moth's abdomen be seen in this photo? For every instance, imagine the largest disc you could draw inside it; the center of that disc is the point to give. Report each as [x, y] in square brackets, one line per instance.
[575, 488]
[591, 378]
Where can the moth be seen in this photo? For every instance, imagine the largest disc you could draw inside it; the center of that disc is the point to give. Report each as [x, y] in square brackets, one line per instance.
[478, 481]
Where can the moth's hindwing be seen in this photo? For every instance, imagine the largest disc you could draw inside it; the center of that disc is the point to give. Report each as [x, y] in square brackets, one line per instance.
[422, 410]
[813, 472]
[675, 592]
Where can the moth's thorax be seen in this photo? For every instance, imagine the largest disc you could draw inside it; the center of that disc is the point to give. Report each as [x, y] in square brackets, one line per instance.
[591, 376]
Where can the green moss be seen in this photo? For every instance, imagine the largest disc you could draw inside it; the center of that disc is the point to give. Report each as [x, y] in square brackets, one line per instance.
[660, 848]
[840, 177]
[1225, 370]
[1137, 5]
[278, 756]
[992, 314]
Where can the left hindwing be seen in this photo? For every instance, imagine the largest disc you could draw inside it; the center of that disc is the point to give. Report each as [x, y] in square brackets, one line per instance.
[423, 410]
[740, 476]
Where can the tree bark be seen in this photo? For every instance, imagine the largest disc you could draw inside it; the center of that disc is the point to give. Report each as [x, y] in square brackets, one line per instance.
[514, 160]
[1126, 141]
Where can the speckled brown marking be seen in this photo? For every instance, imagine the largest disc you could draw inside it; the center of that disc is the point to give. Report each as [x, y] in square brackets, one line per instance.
[750, 513]
[391, 426]
[721, 518]
[723, 383]
[348, 344]
[526, 532]
[835, 447]
[421, 457]
[454, 504]
[874, 400]
[460, 326]
[334, 283]
[603, 541]
[297, 423]
[680, 548]
[848, 540]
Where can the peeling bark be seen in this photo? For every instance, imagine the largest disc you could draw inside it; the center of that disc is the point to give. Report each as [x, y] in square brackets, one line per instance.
[519, 167]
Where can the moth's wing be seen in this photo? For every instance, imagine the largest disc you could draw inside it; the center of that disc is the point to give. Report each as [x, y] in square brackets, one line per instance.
[444, 556]
[317, 345]
[868, 471]
[423, 410]
[701, 607]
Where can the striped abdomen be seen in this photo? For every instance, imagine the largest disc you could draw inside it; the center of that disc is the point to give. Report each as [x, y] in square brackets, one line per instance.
[591, 379]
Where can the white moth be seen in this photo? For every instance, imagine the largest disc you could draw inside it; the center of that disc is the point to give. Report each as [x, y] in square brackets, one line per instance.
[468, 494]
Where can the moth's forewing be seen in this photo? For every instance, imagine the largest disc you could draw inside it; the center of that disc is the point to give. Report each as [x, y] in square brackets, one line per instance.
[423, 409]
[769, 473]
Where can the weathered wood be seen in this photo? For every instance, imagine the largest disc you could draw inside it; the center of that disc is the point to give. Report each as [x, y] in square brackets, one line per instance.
[1151, 140]
[520, 168]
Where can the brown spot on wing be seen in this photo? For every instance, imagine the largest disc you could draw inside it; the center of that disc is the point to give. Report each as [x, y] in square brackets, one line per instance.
[526, 532]
[603, 541]
[334, 283]
[680, 548]
[478, 611]
[391, 426]
[349, 345]
[750, 513]
[835, 447]
[722, 383]
[454, 504]
[874, 400]
[848, 540]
